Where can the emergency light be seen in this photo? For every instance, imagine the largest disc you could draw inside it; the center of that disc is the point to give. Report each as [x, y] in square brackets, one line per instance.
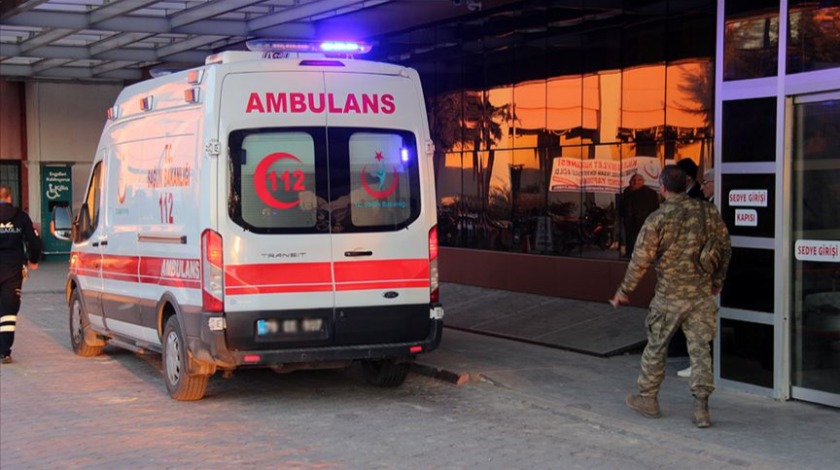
[325, 47]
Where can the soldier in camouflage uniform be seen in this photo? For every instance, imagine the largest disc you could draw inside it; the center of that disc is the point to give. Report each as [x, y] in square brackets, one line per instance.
[671, 240]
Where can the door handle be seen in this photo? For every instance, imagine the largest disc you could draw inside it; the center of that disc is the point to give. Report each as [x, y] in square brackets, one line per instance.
[102, 243]
[351, 254]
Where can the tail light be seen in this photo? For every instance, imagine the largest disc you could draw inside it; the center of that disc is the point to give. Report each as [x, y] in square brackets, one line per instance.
[212, 272]
[433, 265]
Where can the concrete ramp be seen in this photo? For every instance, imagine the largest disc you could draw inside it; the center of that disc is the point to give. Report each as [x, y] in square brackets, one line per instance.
[593, 328]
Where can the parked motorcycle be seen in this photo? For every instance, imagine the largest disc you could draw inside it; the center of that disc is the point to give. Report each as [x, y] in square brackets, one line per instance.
[595, 228]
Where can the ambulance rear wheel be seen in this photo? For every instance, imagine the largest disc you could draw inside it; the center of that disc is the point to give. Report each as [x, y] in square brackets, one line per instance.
[180, 384]
[384, 373]
[79, 323]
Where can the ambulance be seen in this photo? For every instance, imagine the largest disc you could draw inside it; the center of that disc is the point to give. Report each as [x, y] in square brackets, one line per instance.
[273, 208]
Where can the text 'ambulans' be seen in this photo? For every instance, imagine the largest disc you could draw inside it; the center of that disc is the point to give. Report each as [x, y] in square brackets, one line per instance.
[363, 103]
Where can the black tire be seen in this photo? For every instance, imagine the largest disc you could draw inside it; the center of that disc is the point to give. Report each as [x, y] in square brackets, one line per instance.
[384, 373]
[181, 385]
[79, 324]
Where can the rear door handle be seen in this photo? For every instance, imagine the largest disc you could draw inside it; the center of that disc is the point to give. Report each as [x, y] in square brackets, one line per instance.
[358, 253]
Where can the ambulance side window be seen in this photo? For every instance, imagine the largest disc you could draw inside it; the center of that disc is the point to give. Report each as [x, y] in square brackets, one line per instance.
[89, 213]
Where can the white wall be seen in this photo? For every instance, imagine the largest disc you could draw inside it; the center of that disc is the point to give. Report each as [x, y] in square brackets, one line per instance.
[63, 122]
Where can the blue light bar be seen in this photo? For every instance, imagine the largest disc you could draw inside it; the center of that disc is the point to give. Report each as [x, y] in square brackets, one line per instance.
[344, 47]
[339, 46]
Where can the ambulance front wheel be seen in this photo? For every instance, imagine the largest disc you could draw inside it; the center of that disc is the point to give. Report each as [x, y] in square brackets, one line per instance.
[181, 385]
[79, 329]
[384, 373]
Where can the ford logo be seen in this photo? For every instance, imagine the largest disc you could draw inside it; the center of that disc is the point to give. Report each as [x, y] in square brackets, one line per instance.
[390, 294]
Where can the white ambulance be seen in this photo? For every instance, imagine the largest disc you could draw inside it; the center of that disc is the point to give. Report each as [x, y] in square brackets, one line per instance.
[269, 209]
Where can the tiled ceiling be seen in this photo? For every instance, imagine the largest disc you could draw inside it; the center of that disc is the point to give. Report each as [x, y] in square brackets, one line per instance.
[120, 40]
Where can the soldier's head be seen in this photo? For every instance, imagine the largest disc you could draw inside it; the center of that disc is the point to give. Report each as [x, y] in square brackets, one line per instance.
[673, 179]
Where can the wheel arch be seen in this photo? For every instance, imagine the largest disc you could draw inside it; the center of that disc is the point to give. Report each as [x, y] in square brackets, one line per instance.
[167, 307]
[69, 286]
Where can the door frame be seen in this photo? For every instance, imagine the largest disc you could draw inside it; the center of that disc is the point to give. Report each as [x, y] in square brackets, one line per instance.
[793, 391]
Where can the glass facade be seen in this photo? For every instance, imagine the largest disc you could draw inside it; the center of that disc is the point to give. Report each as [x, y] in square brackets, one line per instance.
[815, 269]
[750, 39]
[750, 278]
[814, 35]
[779, 325]
[746, 351]
[749, 130]
[541, 114]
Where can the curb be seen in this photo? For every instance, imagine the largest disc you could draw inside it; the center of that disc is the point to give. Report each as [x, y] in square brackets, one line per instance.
[456, 378]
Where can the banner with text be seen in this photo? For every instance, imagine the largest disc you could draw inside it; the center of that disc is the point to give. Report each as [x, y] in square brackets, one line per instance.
[602, 176]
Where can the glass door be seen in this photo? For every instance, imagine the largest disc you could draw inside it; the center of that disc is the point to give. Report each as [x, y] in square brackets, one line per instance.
[815, 207]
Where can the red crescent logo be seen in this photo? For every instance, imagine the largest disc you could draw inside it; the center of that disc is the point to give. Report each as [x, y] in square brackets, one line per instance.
[261, 175]
[651, 172]
[380, 194]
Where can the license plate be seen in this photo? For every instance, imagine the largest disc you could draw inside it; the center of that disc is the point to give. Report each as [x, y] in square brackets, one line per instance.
[289, 326]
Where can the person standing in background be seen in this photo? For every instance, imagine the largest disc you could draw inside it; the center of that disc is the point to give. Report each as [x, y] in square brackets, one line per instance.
[678, 347]
[637, 202]
[708, 187]
[690, 169]
[671, 240]
[19, 247]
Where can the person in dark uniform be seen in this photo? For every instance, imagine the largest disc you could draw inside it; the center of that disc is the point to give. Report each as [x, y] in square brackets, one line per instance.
[637, 202]
[20, 248]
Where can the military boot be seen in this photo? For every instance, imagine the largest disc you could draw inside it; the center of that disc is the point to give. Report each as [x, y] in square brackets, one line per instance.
[701, 413]
[646, 406]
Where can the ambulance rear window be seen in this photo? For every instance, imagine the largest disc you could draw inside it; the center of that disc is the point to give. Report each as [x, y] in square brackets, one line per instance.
[276, 174]
[316, 180]
[377, 169]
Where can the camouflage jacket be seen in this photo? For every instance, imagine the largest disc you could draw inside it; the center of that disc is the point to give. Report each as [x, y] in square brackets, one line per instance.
[671, 239]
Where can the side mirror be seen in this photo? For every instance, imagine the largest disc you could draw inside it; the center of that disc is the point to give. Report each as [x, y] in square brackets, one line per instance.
[61, 223]
[83, 229]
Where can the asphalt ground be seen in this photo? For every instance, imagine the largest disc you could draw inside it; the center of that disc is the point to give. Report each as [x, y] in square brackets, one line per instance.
[518, 405]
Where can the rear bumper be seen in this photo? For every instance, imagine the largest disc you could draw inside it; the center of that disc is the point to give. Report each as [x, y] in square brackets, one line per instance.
[210, 346]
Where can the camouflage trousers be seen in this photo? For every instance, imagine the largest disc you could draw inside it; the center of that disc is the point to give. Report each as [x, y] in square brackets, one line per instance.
[697, 318]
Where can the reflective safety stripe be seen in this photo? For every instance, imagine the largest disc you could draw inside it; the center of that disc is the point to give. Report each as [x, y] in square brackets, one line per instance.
[8, 318]
[7, 328]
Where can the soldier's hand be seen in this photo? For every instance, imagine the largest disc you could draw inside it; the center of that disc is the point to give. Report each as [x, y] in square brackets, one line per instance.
[619, 299]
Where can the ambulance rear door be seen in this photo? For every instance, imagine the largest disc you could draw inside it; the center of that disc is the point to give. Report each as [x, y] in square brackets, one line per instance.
[380, 239]
[274, 221]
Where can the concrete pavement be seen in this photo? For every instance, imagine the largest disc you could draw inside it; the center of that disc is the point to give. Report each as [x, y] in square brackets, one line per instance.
[748, 431]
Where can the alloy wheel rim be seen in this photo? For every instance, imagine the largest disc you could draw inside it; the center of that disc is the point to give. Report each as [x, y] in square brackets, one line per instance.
[77, 323]
[173, 358]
